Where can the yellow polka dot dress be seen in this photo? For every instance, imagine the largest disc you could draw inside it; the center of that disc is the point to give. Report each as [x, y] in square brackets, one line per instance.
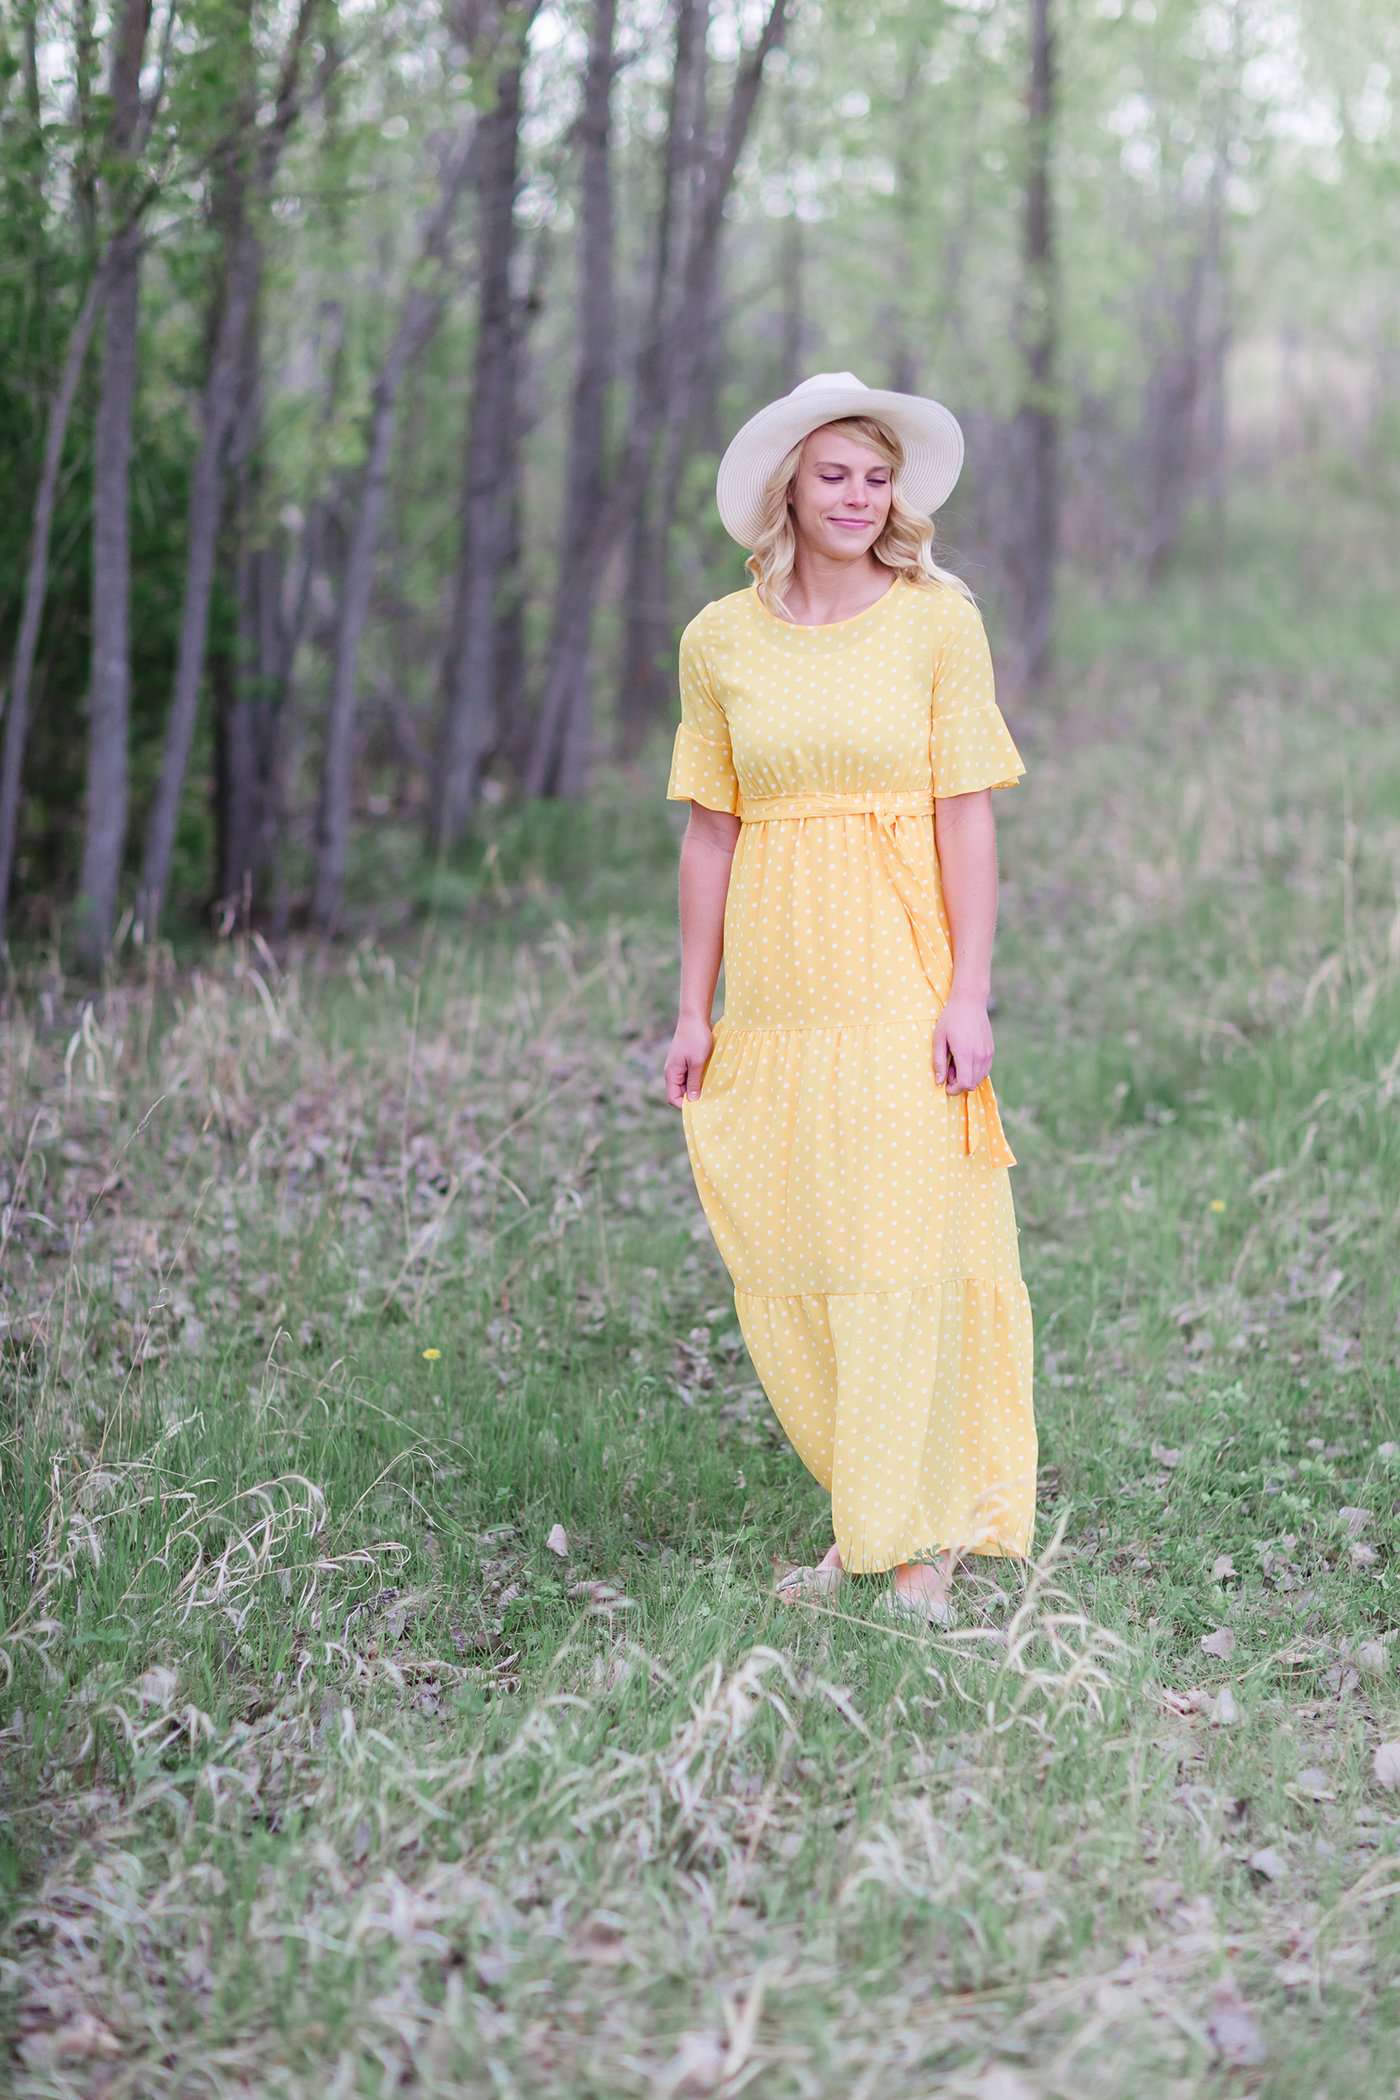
[865, 1216]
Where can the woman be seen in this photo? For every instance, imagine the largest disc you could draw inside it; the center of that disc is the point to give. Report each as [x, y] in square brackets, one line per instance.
[838, 742]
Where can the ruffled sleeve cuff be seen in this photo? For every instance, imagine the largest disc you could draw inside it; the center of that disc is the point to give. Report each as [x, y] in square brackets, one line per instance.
[702, 771]
[971, 748]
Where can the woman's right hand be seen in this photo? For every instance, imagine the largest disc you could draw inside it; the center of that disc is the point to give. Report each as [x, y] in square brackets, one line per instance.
[687, 1058]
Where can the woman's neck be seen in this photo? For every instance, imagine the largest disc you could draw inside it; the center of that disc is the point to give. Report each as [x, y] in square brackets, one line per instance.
[823, 591]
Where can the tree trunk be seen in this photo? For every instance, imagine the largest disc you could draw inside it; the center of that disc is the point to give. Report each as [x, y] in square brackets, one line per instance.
[113, 260]
[1035, 429]
[37, 577]
[663, 393]
[646, 629]
[248, 162]
[240, 673]
[468, 680]
[511, 741]
[85, 154]
[1169, 416]
[569, 653]
[109, 686]
[1215, 346]
[422, 311]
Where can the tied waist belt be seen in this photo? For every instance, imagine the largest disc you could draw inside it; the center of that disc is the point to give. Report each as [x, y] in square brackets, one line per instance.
[981, 1119]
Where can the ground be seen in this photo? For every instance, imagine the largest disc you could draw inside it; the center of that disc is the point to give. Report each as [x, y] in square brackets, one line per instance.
[394, 1699]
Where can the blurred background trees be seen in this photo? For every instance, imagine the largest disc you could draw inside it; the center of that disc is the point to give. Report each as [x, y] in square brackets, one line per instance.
[365, 369]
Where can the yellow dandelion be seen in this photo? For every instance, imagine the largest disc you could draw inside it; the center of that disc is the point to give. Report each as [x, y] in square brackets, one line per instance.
[431, 1355]
[1217, 1203]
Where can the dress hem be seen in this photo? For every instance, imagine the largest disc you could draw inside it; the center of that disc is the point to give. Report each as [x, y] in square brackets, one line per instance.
[988, 1550]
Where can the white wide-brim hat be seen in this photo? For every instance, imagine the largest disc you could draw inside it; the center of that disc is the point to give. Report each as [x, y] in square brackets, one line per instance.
[930, 434]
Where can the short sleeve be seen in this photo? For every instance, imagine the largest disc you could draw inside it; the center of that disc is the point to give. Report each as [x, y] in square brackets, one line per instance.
[702, 764]
[970, 746]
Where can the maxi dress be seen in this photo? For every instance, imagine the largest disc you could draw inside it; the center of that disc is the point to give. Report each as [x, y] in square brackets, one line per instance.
[864, 1214]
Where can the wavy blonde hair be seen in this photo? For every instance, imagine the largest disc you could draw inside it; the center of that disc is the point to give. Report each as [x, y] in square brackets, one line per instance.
[905, 544]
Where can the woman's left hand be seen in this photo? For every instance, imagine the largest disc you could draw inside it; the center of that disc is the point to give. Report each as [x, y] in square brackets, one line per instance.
[962, 1043]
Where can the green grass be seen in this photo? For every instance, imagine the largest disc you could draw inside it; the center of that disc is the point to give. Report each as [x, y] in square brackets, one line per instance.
[325, 1775]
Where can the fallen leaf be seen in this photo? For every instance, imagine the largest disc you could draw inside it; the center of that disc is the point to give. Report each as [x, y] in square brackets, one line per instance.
[1222, 1569]
[696, 2067]
[81, 2037]
[1315, 1783]
[1233, 2028]
[558, 1541]
[1221, 1642]
[1165, 1456]
[1001, 2082]
[1182, 1702]
[1223, 1709]
[601, 1593]
[157, 1686]
[1386, 1765]
[1354, 1520]
[602, 1940]
[1271, 1864]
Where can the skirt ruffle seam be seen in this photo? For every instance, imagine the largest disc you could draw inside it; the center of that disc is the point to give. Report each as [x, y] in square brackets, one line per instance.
[892, 1290]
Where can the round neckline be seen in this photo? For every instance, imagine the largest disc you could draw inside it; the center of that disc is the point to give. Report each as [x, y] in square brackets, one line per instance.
[825, 626]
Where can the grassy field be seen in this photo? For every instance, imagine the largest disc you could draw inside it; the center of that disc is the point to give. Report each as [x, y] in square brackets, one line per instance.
[393, 1700]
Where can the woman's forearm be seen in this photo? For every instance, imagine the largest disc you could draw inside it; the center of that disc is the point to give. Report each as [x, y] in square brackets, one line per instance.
[965, 830]
[706, 861]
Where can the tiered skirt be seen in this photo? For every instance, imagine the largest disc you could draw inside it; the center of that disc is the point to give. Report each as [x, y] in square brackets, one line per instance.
[865, 1216]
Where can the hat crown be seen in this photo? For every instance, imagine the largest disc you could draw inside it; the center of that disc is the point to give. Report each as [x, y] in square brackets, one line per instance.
[826, 379]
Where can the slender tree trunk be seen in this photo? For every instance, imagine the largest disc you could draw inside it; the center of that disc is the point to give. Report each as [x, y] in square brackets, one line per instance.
[37, 577]
[792, 337]
[511, 741]
[291, 619]
[646, 624]
[468, 682]
[1215, 350]
[109, 686]
[249, 163]
[85, 156]
[1169, 417]
[909, 213]
[588, 436]
[238, 672]
[664, 391]
[111, 263]
[1035, 432]
[700, 433]
[205, 511]
[422, 311]
[510, 666]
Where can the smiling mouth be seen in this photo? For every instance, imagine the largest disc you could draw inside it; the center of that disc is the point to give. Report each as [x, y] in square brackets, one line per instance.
[862, 522]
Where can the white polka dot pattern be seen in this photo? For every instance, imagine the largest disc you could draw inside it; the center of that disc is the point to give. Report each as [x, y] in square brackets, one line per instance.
[866, 1219]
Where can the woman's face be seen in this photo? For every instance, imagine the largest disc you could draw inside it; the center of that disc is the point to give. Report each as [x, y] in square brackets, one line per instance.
[841, 497]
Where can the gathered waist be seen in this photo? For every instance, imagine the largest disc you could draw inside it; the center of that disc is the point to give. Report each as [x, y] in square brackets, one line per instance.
[818, 802]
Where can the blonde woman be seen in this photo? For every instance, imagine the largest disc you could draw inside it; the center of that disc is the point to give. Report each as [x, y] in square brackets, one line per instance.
[838, 742]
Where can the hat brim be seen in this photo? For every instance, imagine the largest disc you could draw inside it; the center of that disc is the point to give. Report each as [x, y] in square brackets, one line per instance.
[930, 434]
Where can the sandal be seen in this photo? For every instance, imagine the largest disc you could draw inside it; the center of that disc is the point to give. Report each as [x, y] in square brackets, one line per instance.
[798, 1585]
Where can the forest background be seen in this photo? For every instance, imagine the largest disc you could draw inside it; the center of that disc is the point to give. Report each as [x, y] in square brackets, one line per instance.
[392, 1699]
[366, 368]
